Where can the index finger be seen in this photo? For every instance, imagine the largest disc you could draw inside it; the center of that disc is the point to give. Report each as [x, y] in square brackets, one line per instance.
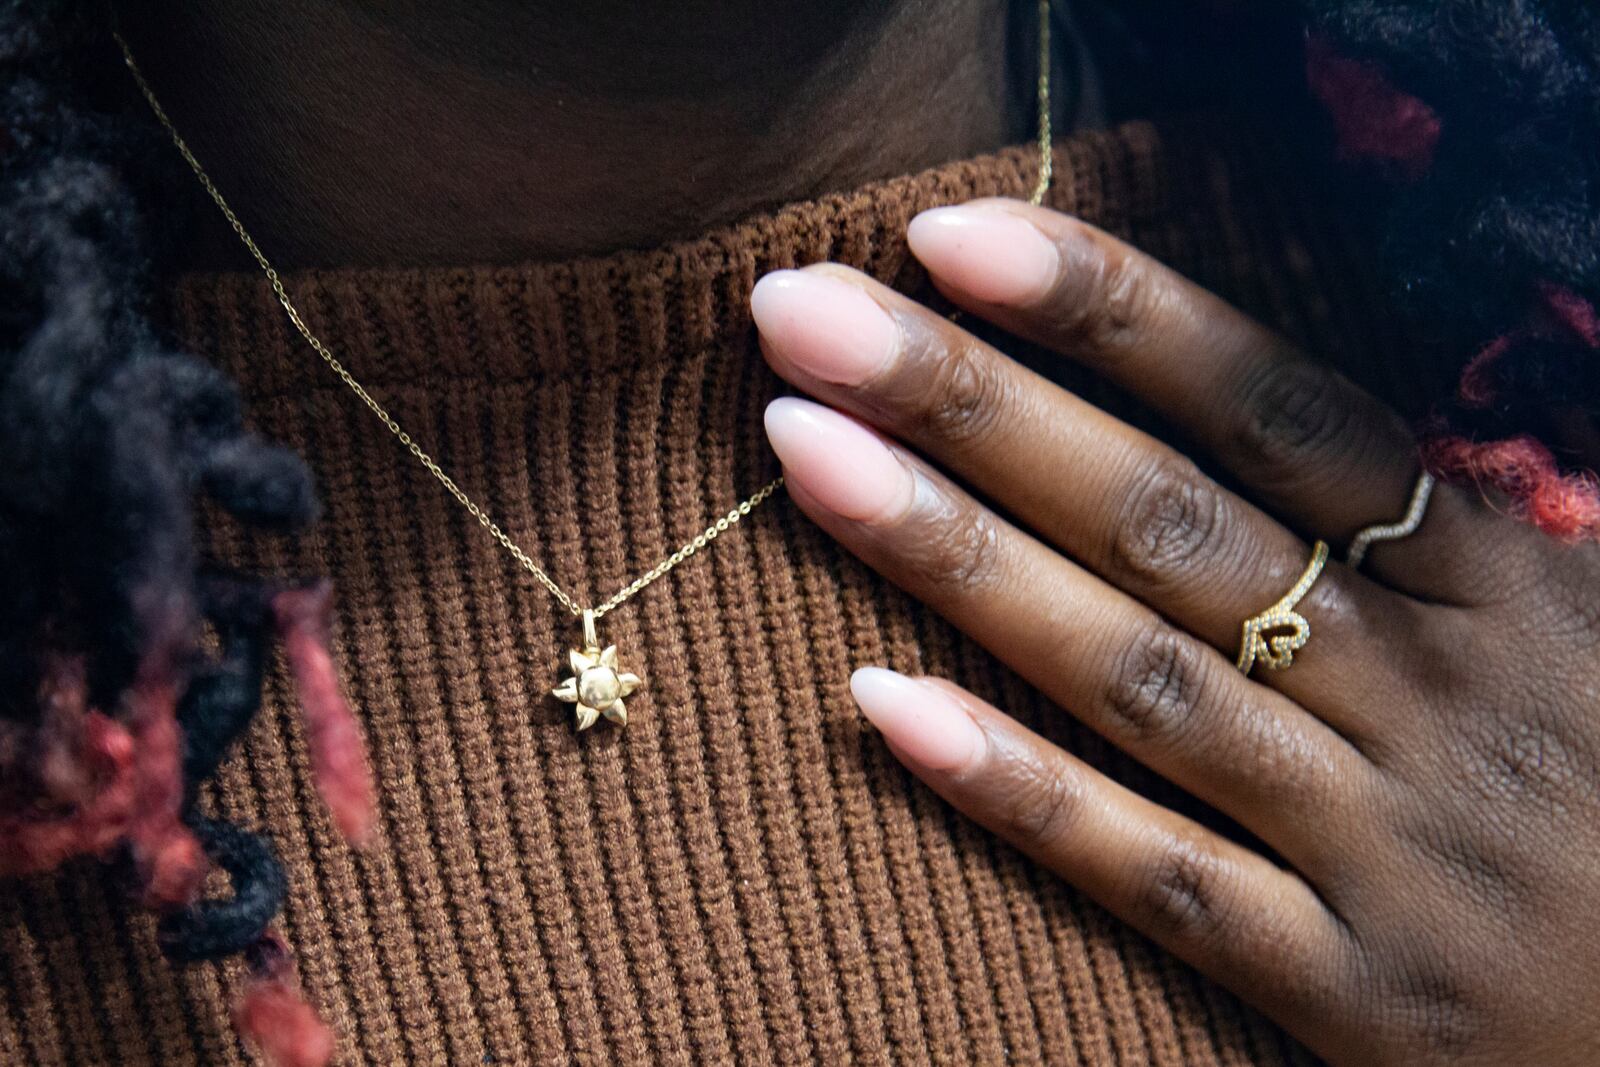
[1312, 446]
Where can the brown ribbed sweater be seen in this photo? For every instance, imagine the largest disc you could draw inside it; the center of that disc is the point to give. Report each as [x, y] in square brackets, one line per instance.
[744, 874]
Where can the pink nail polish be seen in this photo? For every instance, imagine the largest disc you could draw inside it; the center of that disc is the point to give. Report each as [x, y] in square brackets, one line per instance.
[922, 721]
[840, 462]
[986, 251]
[826, 326]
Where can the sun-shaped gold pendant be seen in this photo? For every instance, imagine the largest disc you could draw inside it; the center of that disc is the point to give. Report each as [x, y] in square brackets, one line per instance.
[597, 684]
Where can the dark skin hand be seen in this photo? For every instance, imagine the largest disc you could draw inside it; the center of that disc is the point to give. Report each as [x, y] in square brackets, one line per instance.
[1425, 770]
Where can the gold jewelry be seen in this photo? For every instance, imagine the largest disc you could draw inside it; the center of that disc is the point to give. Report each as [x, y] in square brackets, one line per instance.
[598, 684]
[1046, 158]
[1263, 640]
[1394, 531]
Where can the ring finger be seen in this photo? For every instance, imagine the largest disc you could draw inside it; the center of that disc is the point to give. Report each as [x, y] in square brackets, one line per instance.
[1128, 507]
[1168, 699]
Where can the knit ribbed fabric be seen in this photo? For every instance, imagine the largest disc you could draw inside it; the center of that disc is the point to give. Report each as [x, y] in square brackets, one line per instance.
[743, 874]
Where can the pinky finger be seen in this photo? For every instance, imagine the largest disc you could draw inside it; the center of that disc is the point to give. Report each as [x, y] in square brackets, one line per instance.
[1228, 911]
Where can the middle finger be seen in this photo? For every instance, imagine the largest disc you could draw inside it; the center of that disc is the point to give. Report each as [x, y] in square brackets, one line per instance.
[1166, 698]
[1124, 504]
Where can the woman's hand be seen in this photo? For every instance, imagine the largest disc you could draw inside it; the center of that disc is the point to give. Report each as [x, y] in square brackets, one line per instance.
[1428, 768]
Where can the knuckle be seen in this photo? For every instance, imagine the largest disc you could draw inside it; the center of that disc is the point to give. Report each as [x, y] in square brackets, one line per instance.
[966, 394]
[1155, 686]
[1429, 1007]
[1173, 520]
[1449, 1024]
[1039, 802]
[955, 546]
[1471, 863]
[1528, 761]
[1553, 592]
[1293, 413]
[1179, 896]
[1528, 755]
[1105, 301]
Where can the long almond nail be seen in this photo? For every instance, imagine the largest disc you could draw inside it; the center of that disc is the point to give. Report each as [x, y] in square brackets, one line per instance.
[987, 251]
[825, 326]
[843, 465]
[920, 720]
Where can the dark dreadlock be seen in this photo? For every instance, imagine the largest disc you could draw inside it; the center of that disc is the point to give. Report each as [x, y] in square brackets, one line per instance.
[1486, 118]
[112, 711]
[1473, 124]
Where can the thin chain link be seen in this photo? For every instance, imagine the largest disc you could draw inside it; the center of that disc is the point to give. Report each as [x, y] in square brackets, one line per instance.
[1046, 157]
[689, 548]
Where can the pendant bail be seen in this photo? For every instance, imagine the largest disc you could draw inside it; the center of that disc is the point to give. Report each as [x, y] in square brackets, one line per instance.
[591, 640]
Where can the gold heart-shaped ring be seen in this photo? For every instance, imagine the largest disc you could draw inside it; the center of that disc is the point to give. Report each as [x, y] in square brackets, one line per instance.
[1261, 640]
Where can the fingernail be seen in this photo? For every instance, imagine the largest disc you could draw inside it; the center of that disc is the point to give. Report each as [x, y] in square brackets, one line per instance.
[841, 463]
[826, 326]
[921, 720]
[989, 252]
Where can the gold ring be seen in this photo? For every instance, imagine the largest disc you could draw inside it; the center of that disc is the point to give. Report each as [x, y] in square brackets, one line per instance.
[1393, 531]
[1274, 636]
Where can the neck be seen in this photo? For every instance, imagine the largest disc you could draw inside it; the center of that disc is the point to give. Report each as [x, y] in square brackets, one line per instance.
[495, 131]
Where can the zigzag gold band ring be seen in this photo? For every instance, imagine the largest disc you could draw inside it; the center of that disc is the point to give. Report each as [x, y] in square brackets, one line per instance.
[1274, 636]
[1394, 531]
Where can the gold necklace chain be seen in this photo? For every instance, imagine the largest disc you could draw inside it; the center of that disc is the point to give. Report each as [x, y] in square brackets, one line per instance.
[598, 684]
[1046, 158]
[689, 548]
